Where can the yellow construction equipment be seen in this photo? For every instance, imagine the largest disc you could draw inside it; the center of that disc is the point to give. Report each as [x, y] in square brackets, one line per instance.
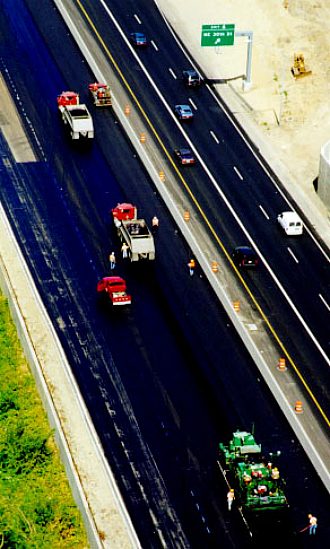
[299, 69]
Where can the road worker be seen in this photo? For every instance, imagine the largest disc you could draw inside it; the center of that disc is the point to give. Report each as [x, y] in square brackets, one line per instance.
[154, 223]
[230, 498]
[112, 260]
[191, 265]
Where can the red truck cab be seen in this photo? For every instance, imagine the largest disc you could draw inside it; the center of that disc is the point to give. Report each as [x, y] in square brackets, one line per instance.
[123, 212]
[115, 288]
[68, 98]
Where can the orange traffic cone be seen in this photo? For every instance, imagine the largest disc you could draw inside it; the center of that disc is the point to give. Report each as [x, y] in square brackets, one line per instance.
[127, 110]
[281, 365]
[298, 407]
[143, 137]
[236, 305]
[186, 215]
[214, 267]
[162, 176]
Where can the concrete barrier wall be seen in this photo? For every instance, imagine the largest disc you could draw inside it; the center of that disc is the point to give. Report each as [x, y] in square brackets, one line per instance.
[323, 185]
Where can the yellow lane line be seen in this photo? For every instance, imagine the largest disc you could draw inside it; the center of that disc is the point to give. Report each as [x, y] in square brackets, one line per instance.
[203, 215]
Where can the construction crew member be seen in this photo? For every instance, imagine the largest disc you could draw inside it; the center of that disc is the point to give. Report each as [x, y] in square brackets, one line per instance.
[191, 265]
[275, 474]
[155, 223]
[124, 250]
[230, 498]
[312, 524]
[112, 259]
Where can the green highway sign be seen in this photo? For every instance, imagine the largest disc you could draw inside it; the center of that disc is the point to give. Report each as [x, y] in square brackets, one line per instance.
[218, 35]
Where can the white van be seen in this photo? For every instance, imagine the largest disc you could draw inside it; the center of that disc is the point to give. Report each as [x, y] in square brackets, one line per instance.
[290, 223]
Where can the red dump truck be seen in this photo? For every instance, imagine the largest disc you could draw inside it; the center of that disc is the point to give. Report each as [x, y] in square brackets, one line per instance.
[134, 232]
[75, 115]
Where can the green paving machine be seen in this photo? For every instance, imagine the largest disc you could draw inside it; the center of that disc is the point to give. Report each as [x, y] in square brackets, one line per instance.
[257, 483]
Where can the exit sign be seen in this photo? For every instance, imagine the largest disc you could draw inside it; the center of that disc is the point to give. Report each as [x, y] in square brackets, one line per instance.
[218, 35]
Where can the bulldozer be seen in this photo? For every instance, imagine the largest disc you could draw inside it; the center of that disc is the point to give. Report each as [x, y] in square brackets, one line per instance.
[299, 69]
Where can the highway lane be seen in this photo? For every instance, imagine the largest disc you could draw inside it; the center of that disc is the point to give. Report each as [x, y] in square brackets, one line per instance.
[303, 269]
[180, 386]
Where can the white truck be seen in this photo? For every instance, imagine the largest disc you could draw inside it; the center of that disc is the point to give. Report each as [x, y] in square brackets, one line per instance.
[291, 223]
[75, 115]
[134, 232]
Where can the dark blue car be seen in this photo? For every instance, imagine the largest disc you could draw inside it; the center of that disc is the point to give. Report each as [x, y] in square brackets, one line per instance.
[139, 39]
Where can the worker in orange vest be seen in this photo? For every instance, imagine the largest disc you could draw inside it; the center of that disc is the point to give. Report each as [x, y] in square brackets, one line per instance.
[192, 265]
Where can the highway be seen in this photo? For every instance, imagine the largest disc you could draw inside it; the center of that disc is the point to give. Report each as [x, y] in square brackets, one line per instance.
[160, 384]
[231, 173]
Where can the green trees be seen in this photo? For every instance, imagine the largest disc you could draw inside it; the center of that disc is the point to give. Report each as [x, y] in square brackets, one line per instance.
[36, 505]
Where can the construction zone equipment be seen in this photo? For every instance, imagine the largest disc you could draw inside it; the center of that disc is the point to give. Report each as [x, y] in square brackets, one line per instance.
[214, 266]
[186, 215]
[299, 69]
[237, 306]
[75, 115]
[134, 232]
[259, 487]
[281, 365]
[101, 94]
[298, 407]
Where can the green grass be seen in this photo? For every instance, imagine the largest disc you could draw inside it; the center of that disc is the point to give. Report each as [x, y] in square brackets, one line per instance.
[37, 509]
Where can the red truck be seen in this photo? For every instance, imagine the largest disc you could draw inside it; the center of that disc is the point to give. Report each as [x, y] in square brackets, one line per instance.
[115, 287]
[134, 232]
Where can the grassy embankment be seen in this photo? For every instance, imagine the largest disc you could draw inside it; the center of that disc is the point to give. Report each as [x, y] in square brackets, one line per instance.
[36, 505]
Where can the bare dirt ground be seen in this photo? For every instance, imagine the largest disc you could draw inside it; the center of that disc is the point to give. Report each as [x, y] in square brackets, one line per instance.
[292, 114]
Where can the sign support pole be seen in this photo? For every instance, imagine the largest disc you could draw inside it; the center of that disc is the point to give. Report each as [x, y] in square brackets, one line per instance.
[247, 83]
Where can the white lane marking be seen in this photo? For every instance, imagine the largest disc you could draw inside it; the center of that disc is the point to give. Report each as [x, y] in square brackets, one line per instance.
[292, 254]
[137, 18]
[264, 212]
[172, 73]
[215, 183]
[324, 302]
[154, 45]
[192, 103]
[238, 173]
[214, 137]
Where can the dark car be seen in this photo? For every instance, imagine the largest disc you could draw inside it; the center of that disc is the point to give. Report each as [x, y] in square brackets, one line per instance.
[139, 39]
[185, 156]
[244, 256]
[191, 78]
[183, 112]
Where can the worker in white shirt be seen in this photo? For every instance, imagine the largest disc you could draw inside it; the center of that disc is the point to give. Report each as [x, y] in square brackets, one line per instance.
[230, 498]
[154, 223]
